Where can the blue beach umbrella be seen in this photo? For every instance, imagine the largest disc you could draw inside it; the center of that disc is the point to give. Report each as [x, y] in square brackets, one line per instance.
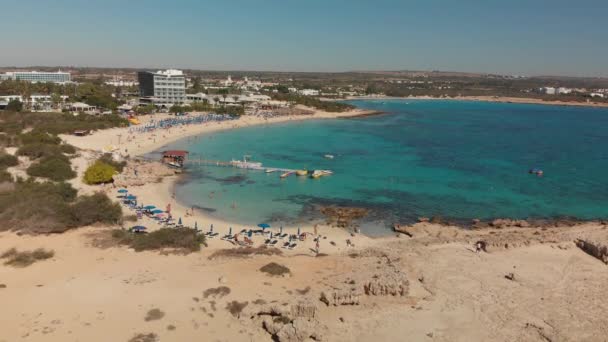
[131, 197]
[149, 207]
[250, 233]
[123, 191]
[264, 225]
[157, 211]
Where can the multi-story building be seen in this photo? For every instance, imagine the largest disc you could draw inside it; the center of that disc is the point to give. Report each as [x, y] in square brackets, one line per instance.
[162, 87]
[37, 76]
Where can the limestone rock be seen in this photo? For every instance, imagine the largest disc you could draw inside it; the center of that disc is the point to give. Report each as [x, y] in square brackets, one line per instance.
[594, 248]
[344, 297]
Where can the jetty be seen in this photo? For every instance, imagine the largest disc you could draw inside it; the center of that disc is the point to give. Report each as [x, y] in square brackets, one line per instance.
[243, 164]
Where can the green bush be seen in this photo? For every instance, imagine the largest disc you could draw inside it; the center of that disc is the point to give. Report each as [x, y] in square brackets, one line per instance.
[39, 150]
[95, 208]
[5, 176]
[39, 137]
[98, 173]
[53, 167]
[7, 160]
[183, 239]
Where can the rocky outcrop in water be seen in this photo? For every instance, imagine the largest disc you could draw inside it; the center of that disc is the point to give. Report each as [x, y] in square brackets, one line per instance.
[342, 217]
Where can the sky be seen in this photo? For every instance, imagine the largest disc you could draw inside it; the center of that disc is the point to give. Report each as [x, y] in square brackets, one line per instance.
[523, 37]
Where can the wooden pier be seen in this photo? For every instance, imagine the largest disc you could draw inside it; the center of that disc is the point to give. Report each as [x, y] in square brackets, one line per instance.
[239, 164]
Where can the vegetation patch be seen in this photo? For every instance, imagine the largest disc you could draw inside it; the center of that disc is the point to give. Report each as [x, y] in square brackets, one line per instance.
[99, 173]
[154, 315]
[33, 207]
[217, 292]
[245, 252]
[23, 259]
[56, 168]
[185, 240]
[150, 337]
[275, 269]
[235, 308]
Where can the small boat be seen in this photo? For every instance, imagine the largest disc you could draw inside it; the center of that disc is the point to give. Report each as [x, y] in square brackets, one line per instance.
[286, 174]
[301, 172]
[270, 170]
[536, 171]
[320, 173]
[329, 156]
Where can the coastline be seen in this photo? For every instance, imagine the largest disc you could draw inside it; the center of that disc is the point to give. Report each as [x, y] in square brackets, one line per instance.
[496, 99]
[163, 193]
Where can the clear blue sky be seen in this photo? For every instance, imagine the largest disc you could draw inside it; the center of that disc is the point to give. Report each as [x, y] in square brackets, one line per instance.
[503, 36]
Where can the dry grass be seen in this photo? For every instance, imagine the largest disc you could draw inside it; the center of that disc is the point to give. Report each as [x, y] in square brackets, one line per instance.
[275, 269]
[24, 259]
[154, 315]
[245, 252]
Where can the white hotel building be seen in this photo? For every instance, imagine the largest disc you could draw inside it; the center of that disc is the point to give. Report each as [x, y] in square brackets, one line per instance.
[163, 88]
[37, 76]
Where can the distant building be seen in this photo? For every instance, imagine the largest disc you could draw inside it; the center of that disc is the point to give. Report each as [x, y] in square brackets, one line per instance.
[562, 90]
[162, 88]
[37, 76]
[597, 95]
[308, 92]
[548, 90]
[121, 83]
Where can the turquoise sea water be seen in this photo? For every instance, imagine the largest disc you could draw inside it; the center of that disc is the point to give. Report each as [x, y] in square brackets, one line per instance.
[458, 160]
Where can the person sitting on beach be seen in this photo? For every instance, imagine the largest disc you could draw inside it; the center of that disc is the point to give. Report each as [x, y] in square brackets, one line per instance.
[480, 246]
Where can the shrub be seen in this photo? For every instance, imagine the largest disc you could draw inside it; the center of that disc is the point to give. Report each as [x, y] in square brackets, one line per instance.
[34, 137]
[184, 239]
[98, 173]
[67, 149]
[153, 315]
[24, 259]
[235, 308]
[53, 167]
[7, 160]
[5, 176]
[14, 106]
[39, 150]
[275, 269]
[93, 209]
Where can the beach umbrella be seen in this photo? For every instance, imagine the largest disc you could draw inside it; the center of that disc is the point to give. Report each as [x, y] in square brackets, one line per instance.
[230, 231]
[264, 225]
[211, 228]
[281, 230]
[298, 231]
[270, 236]
[157, 211]
[179, 222]
[195, 225]
[131, 197]
[149, 207]
[250, 233]
[123, 191]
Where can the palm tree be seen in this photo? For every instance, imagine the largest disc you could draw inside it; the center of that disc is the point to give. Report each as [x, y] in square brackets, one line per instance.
[216, 99]
[224, 96]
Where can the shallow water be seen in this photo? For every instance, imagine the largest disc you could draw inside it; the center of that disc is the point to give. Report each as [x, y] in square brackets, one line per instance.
[454, 159]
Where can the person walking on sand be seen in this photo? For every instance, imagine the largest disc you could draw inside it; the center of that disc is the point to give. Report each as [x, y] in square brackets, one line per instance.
[317, 246]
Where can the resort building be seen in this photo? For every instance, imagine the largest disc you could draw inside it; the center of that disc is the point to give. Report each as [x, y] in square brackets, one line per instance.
[162, 88]
[80, 107]
[37, 76]
[309, 92]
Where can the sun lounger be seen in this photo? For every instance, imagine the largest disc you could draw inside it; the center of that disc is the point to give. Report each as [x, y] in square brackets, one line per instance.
[292, 246]
[285, 245]
[227, 237]
[273, 242]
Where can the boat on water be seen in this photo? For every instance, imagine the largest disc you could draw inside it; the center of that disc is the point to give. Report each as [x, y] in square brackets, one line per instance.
[271, 170]
[329, 156]
[286, 174]
[320, 173]
[301, 172]
[536, 171]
